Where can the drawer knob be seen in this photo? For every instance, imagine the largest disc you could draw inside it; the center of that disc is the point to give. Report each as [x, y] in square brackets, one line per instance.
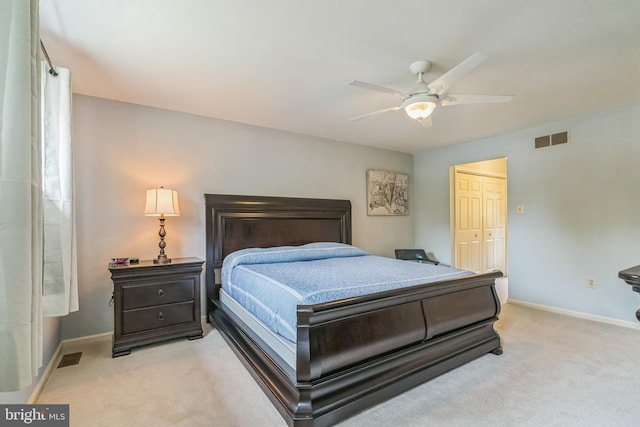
[160, 316]
[160, 293]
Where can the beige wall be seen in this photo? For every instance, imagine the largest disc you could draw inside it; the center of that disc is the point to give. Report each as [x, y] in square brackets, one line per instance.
[123, 149]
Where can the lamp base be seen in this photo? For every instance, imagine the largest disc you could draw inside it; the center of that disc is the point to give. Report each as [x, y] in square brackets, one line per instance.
[162, 257]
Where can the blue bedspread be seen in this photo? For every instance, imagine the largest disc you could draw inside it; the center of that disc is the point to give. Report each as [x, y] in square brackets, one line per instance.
[271, 282]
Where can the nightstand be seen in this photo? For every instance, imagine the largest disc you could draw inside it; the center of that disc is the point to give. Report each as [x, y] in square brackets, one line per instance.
[155, 302]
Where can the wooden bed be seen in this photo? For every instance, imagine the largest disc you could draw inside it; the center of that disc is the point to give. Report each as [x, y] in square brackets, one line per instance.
[354, 353]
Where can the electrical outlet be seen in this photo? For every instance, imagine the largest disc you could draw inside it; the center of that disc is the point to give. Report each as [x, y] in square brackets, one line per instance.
[591, 283]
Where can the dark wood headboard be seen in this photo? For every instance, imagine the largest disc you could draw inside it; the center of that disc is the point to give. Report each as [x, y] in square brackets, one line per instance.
[236, 222]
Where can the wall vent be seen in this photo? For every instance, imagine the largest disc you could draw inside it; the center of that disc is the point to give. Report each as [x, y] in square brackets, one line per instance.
[70, 359]
[559, 138]
[548, 140]
[543, 141]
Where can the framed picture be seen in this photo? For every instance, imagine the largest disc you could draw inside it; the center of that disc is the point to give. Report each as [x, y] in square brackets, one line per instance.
[387, 193]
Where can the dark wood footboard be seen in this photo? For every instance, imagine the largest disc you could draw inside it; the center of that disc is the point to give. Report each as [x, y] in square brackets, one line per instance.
[355, 353]
[337, 335]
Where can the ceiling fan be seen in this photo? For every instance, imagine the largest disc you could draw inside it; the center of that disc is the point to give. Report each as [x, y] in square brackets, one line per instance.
[420, 101]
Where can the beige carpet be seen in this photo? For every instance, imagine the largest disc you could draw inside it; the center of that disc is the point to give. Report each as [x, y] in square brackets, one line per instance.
[555, 371]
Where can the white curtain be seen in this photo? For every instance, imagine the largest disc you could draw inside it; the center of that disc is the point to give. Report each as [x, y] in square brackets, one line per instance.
[20, 195]
[60, 278]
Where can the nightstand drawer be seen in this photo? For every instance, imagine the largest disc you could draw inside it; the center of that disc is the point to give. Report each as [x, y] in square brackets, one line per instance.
[157, 317]
[164, 293]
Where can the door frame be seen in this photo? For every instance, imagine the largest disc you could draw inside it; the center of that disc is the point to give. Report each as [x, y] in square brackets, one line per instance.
[481, 168]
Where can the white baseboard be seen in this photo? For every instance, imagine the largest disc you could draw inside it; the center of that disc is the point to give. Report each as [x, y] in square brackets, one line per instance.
[45, 375]
[86, 338]
[578, 314]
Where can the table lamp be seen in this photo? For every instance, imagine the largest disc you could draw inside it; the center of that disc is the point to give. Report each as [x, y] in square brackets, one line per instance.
[162, 202]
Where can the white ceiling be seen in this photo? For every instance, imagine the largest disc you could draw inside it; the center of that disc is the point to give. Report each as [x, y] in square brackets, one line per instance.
[286, 64]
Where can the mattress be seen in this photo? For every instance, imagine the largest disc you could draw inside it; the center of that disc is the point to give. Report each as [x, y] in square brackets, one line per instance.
[284, 348]
[271, 282]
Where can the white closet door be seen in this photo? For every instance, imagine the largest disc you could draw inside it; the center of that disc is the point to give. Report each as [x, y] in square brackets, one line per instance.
[494, 224]
[468, 194]
[480, 223]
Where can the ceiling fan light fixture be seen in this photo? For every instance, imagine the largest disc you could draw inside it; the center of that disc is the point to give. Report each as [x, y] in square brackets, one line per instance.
[420, 106]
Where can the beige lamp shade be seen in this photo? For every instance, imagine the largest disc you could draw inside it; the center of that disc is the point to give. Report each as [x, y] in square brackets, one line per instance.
[162, 201]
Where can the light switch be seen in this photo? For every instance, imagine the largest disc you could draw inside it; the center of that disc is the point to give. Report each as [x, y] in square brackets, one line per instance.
[520, 209]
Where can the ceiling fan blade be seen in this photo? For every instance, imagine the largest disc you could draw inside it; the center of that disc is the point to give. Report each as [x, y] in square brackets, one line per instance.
[459, 99]
[377, 88]
[373, 113]
[426, 122]
[444, 82]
